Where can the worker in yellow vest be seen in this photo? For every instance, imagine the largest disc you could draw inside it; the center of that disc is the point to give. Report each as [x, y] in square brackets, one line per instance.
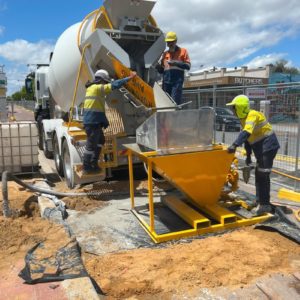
[258, 136]
[94, 118]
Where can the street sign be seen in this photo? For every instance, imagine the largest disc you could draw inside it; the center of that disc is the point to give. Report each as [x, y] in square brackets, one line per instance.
[256, 93]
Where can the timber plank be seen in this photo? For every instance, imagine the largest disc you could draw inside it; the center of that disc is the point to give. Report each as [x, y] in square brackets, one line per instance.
[280, 287]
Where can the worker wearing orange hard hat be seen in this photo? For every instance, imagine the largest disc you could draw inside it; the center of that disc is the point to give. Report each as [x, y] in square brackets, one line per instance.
[172, 65]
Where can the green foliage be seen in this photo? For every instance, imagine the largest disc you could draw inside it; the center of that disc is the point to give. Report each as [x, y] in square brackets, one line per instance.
[22, 95]
[280, 66]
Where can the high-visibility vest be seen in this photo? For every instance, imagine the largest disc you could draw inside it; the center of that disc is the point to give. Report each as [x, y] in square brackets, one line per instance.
[174, 74]
[180, 54]
[95, 97]
[257, 125]
[94, 104]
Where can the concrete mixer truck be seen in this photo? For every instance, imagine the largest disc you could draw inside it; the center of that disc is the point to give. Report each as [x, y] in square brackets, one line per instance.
[119, 37]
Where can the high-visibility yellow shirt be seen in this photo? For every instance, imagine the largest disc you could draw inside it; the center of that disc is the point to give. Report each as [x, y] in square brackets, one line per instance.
[95, 97]
[257, 125]
[94, 104]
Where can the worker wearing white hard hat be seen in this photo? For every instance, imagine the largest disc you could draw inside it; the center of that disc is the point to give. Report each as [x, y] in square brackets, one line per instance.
[94, 118]
[172, 65]
[258, 136]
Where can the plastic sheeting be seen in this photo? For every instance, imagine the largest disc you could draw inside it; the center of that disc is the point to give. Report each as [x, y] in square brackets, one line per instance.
[48, 265]
[282, 223]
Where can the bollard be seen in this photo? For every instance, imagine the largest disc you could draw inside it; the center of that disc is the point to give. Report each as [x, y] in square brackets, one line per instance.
[286, 143]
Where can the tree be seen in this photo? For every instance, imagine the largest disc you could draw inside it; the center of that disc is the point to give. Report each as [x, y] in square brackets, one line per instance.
[280, 66]
[22, 95]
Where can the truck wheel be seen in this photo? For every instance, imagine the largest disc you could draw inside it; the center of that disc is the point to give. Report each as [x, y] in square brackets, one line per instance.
[67, 165]
[47, 153]
[57, 157]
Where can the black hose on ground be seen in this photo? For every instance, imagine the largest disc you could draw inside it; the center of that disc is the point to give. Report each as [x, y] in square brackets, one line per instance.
[6, 175]
[41, 190]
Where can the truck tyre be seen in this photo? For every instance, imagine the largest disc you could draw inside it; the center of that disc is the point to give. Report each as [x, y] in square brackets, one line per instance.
[57, 156]
[67, 165]
[47, 153]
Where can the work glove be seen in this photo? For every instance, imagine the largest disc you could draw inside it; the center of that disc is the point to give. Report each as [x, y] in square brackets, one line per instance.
[248, 160]
[159, 68]
[232, 148]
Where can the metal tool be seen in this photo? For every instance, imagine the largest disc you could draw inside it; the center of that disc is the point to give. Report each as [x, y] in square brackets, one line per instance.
[247, 172]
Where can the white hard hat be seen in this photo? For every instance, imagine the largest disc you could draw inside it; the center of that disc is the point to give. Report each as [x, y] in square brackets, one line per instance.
[103, 74]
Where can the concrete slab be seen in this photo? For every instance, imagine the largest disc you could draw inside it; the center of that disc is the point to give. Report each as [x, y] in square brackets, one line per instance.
[80, 288]
[109, 229]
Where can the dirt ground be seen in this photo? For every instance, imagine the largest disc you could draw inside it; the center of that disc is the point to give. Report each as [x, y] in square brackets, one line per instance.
[25, 229]
[230, 260]
[103, 191]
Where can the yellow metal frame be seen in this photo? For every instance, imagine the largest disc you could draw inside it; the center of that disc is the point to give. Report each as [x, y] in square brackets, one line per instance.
[201, 224]
[289, 195]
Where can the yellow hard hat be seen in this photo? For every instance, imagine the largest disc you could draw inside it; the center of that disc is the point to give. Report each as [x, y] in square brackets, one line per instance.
[171, 36]
[242, 106]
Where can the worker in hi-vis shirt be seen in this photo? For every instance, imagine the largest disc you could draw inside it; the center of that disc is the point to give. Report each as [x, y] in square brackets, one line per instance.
[258, 136]
[172, 65]
[94, 118]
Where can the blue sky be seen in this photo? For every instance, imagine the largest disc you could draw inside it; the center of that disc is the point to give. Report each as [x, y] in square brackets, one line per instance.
[216, 32]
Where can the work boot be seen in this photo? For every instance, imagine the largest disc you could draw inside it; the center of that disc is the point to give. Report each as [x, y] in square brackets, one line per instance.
[90, 171]
[95, 166]
[262, 209]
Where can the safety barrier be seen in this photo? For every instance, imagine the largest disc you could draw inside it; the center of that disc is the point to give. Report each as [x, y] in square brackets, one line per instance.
[282, 109]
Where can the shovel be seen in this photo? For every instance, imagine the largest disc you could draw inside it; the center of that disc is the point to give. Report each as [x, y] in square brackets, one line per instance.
[247, 172]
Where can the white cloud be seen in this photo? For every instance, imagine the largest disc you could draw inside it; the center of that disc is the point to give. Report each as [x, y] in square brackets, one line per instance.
[219, 32]
[266, 60]
[21, 51]
[15, 78]
[17, 54]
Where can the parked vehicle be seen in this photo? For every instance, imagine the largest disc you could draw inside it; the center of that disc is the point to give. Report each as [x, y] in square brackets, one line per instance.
[225, 119]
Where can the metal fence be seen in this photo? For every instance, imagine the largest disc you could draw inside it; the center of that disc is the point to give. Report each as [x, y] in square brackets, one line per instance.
[28, 104]
[282, 110]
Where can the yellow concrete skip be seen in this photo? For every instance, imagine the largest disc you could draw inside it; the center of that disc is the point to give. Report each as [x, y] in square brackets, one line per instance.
[222, 215]
[289, 195]
[200, 176]
[192, 217]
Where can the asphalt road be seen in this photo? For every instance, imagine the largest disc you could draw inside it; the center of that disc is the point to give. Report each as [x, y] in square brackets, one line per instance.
[20, 113]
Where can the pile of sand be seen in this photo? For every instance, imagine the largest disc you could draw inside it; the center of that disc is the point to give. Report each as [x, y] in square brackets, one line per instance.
[232, 260]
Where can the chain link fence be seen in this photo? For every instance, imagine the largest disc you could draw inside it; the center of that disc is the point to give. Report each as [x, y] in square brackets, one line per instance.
[280, 103]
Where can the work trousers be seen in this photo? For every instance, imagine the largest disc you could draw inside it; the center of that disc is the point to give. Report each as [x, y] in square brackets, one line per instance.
[264, 164]
[94, 143]
[174, 90]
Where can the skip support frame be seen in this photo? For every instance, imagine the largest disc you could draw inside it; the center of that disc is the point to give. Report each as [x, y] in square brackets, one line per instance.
[202, 219]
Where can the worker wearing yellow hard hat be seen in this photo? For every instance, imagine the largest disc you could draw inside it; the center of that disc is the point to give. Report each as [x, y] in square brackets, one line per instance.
[258, 136]
[172, 65]
[171, 37]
